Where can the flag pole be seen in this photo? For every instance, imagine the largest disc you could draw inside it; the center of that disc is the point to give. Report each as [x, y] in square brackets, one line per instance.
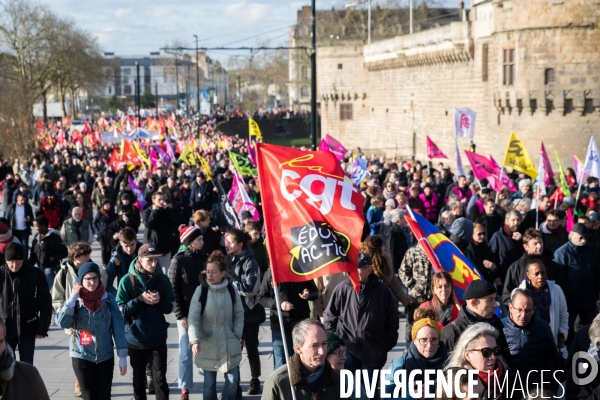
[579, 186]
[500, 182]
[285, 349]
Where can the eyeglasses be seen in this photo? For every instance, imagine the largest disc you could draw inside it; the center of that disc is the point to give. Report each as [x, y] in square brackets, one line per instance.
[340, 352]
[94, 279]
[486, 352]
[523, 310]
[423, 341]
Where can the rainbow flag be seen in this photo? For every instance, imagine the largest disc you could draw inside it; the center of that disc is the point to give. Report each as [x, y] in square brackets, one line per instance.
[443, 254]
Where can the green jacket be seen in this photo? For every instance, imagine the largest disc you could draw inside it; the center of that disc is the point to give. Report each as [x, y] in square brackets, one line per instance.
[145, 324]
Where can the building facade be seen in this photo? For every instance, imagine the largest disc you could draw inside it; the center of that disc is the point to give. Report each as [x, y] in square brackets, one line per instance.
[525, 66]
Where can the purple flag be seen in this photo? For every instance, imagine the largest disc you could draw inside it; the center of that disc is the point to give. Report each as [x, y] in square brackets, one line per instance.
[251, 153]
[548, 173]
[139, 194]
[170, 151]
[163, 156]
[330, 144]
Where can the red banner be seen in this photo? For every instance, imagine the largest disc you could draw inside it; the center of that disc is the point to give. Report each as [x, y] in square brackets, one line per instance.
[313, 214]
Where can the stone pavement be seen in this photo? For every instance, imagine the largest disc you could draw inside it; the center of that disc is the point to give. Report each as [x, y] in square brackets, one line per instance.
[53, 361]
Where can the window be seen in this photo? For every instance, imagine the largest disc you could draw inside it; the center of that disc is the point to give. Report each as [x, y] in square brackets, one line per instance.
[340, 66]
[304, 91]
[110, 90]
[508, 72]
[304, 72]
[127, 89]
[549, 76]
[484, 62]
[126, 71]
[345, 112]
[125, 80]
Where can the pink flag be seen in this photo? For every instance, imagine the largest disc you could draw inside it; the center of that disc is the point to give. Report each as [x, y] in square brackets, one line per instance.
[570, 221]
[547, 166]
[240, 200]
[153, 157]
[330, 144]
[579, 172]
[482, 167]
[251, 152]
[506, 181]
[169, 147]
[433, 151]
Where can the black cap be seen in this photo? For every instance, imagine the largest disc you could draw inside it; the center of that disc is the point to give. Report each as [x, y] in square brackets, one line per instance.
[581, 229]
[246, 215]
[486, 191]
[14, 251]
[364, 260]
[478, 289]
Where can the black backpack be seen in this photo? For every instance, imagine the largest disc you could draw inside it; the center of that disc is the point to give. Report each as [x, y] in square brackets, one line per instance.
[204, 296]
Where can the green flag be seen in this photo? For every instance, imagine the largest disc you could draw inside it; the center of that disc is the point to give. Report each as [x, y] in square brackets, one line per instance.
[563, 179]
[243, 165]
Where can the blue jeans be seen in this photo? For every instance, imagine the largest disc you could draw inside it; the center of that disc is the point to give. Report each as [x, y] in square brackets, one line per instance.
[229, 390]
[185, 374]
[278, 353]
[26, 346]
[352, 364]
[50, 273]
[23, 237]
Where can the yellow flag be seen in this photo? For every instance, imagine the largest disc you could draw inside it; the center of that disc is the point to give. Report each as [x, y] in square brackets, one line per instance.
[188, 156]
[141, 153]
[254, 129]
[205, 166]
[518, 158]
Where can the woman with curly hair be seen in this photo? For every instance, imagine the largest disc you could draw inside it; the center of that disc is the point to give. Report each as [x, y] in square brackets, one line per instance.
[373, 246]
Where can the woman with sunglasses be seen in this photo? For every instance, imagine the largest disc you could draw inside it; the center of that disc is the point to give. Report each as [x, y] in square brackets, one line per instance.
[425, 352]
[442, 303]
[389, 190]
[95, 321]
[477, 349]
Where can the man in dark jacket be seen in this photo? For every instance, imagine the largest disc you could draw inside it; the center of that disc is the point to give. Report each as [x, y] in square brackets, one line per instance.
[490, 219]
[517, 272]
[530, 340]
[145, 295]
[480, 303]
[395, 239]
[294, 297]
[202, 196]
[20, 217]
[25, 302]
[126, 250]
[554, 234]
[47, 249]
[367, 321]
[580, 264]
[160, 221]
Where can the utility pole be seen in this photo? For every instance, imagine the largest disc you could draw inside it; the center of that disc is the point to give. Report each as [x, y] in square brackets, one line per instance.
[313, 78]
[156, 96]
[137, 91]
[197, 83]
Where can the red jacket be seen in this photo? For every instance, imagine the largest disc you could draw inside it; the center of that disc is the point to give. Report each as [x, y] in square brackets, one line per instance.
[52, 211]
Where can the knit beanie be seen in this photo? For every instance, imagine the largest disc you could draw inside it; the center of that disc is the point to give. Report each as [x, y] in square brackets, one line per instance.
[187, 234]
[334, 342]
[14, 252]
[86, 269]
[462, 228]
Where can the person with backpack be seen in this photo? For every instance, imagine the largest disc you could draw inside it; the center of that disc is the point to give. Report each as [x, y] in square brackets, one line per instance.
[122, 256]
[216, 324]
[66, 279]
[47, 249]
[145, 295]
[95, 321]
[184, 274]
[245, 276]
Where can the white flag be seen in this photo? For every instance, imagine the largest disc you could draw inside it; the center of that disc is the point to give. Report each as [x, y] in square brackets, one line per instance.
[464, 122]
[592, 165]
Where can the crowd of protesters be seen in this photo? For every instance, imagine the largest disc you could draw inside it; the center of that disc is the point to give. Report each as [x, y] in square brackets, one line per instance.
[538, 256]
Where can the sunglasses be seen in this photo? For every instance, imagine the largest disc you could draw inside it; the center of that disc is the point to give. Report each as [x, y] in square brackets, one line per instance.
[486, 352]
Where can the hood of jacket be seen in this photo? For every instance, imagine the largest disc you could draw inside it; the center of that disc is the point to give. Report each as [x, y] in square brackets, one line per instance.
[140, 277]
[240, 259]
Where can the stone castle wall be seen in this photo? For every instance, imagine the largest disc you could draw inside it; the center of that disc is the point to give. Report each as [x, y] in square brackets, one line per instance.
[404, 88]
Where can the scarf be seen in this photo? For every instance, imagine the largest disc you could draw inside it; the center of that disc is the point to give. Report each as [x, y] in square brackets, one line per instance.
[414, 359]
[77, 225]
[442, 312]
[314, 379]
[593, 351]
[542, 301]
[5, 239]
[507, 231]
[485, 376]
[92, 300]
[142, 272]
[7, 364]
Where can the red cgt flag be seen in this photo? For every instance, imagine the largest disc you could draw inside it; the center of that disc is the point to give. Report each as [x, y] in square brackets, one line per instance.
[313, 214]
[115, 161]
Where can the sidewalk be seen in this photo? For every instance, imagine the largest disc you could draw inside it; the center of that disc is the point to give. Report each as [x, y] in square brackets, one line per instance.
[53, 361]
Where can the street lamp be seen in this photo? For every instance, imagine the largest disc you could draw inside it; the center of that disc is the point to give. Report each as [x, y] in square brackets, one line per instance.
[360, 2]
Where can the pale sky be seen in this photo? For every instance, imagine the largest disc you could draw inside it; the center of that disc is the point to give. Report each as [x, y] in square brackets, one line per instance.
[139, 27]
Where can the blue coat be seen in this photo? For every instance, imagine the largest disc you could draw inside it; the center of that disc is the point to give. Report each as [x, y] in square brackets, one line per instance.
[103, 326]
[532, 348]
[374, 218]
[580, 268]
[506, 249]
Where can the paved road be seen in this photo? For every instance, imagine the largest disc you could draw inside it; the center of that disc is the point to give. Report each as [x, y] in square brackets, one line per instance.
[53, 361]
